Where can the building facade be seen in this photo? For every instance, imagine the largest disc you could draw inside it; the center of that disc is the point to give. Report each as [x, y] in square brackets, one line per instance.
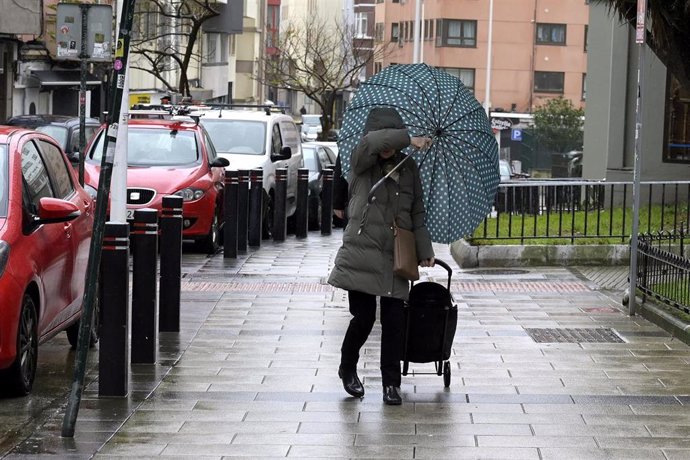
[538, 47]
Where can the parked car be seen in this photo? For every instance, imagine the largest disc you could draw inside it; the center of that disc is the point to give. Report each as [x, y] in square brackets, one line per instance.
[317, 157]
[310, 133]
[46, 220]
[63, 128]
[252, 139]
[171, 157]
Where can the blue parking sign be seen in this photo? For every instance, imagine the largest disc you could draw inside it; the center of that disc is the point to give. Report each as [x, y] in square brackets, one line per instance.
[516, 135]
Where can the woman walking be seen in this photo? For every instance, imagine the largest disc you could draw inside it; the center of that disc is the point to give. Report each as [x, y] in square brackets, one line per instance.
[364, 263]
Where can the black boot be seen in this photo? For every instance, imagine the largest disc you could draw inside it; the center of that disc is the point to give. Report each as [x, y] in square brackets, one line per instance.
[351, 383]
[391, 396]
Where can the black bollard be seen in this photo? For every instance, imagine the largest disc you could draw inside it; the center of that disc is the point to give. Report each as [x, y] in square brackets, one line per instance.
[327, 201]
[280, 205]
[113, 349]
[144, 308]
[230, 203]
[256, 207]
[242, 209]
[302, 212]
[171, 264]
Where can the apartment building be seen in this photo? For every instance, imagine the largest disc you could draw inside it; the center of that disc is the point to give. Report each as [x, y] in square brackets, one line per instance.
[539, 47]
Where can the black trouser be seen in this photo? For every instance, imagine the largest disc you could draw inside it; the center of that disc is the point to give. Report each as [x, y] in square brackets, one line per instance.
[363, 310]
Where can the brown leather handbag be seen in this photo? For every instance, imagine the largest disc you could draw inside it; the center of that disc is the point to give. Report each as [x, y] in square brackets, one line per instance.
[405, 263]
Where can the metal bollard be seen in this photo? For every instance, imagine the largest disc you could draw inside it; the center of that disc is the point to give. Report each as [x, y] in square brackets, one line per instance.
[230, 204]
[280, 205]
[170, 264]
[256, 207]
[327, 202]
[242, 209]
[144, 307]
[302, 211]
[113, 349]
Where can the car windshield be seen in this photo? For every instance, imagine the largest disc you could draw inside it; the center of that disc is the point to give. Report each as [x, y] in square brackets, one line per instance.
[4, 180]
[59, 133]
[155, 147]
[310, 161]
[236, 136]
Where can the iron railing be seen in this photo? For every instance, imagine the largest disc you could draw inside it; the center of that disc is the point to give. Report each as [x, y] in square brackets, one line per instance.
[664, 267]
[567, 211]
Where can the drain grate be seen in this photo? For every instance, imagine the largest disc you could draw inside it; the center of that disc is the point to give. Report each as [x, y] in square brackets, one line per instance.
[574, 335]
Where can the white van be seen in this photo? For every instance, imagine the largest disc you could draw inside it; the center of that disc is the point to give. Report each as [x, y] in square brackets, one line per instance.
[252, 139]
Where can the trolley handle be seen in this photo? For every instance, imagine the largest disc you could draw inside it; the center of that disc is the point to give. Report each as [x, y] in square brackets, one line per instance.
[448, 269]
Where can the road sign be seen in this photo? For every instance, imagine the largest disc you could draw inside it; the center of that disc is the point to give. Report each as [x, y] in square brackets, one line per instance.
[516, 135]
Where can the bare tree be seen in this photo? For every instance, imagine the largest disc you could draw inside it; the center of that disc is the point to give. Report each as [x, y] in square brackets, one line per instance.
[670, 34]
[164, 38]
[319, 58]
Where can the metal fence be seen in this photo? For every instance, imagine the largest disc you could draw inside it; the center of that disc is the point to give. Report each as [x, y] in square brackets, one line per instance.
[566, 211]
[664, 267]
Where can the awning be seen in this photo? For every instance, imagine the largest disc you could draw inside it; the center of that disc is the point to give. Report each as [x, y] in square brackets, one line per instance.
[63, 78]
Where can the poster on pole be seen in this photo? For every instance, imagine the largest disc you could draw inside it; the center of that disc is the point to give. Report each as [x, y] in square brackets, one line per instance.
[640, 29]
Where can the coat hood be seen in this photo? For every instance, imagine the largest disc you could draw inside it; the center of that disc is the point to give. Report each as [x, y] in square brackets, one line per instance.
[382, 118]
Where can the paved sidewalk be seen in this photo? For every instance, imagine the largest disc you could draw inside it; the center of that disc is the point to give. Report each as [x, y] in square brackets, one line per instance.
[253, 374]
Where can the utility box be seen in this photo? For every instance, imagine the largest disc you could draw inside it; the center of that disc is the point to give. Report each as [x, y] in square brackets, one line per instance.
[99, 32]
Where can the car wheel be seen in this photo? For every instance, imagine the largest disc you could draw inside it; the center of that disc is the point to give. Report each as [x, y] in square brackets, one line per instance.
[211, 242]
[73, 330]
[314, 219]
[20, 375]
[267, 220]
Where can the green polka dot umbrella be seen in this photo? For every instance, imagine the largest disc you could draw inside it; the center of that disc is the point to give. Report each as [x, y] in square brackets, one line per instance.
[459, 171]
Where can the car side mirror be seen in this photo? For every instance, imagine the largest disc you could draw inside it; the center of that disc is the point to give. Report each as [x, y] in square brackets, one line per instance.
[220, 162]
[285, 154]
[54, 210]
[73, 157]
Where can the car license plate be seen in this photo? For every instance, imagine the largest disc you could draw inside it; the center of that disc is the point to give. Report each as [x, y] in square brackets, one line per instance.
[130, 214]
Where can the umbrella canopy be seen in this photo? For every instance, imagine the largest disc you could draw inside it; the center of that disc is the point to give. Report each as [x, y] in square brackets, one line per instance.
[459, 171]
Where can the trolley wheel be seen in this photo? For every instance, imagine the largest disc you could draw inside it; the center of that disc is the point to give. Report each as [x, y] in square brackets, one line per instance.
[446, 374]
[406, 367]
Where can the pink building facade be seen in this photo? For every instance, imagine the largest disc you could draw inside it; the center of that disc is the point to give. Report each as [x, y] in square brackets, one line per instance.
[538, 46]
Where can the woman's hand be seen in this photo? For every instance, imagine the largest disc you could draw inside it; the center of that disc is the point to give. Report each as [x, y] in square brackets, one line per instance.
[420, 142]
[339, 213]
[430, 262]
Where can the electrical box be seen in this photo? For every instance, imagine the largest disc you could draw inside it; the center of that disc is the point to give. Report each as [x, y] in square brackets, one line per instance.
[98, 33]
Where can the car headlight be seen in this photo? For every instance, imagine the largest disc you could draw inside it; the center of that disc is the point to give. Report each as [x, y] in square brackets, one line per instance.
[91, 191]
[4, 255]
[190, 194]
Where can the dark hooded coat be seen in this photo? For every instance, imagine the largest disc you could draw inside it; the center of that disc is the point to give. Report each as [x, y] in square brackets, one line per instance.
[365, 261]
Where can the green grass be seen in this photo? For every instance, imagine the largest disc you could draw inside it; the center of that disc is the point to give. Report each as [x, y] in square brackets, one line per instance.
[678, 291]
[606, 227]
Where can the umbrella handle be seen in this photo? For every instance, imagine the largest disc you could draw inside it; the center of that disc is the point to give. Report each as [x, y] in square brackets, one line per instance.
[371, 198]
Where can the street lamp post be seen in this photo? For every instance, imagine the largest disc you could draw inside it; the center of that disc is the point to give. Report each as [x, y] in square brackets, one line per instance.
[487, 92]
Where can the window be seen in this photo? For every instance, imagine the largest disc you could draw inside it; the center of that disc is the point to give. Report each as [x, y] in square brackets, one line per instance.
[377, 67]
[361, 25]
[584, 86]
[57, 169]
[550, 34]
[677, 145]
[455, 32]
[378, 31]
[428, 29]
[549, 82]
[35, 176]
[216, 48]
[586, 35]
[466, 76]
[395, 31]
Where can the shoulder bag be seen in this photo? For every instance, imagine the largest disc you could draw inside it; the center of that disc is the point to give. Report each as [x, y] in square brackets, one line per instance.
[405, 263]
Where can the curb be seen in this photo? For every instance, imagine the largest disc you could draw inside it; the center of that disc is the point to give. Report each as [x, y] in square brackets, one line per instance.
[653, 313]
[468, 256]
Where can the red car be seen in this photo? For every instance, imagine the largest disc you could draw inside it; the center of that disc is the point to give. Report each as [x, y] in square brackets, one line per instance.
[46, 220]
[171, 157]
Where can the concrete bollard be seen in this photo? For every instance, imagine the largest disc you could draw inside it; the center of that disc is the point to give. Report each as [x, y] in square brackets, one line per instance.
[144, 305]
[113, 349]
[170, 264]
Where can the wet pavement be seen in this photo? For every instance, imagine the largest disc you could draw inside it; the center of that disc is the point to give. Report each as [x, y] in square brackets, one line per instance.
[545, 365]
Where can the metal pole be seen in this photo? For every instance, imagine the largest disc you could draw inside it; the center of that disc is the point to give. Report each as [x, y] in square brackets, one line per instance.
[416, 56]
[170, 264]
[280, 205]
[487, 92]
[242, 209]
[94, 262]
[144, 274]
[230, 203]
[82, 90]
[327, 201]
[256, 206]
[301, 213]
[641, 31]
